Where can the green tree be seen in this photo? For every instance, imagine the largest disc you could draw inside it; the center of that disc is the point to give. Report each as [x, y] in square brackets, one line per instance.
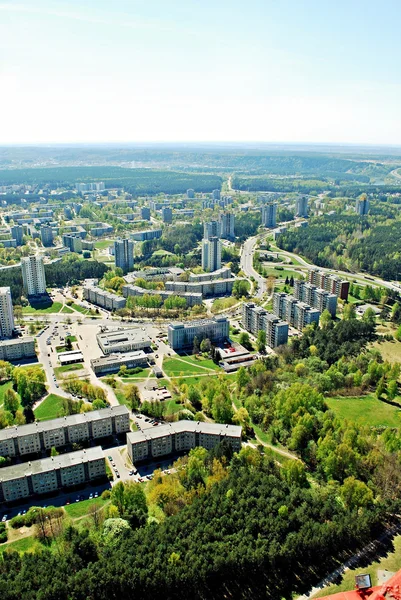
[369, 316]
[245, 340]
[11, 401]
[349, 312]
[205, 345]
[261, 342]
[325, 319]
[132, 396]
[392, 389]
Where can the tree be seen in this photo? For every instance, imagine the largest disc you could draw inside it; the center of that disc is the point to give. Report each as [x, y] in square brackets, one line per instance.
[349, 312]
[244, 340]
[11, 401]
[325, 318]
[369, 316]
[132, 396]
[240, 288]
[196, 346]
[261, 343]
[398, 334]
[381, 388]
[392, 389]
[68, 344]
[205, 345]
[355, 494]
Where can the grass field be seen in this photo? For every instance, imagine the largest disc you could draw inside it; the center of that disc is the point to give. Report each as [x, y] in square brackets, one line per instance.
[66, 310]
[281, 273]
[27, 544]
[172, 406]
[174, 367]
[367, 410]
[391, 562]
[80, 509]
[3, 388]
[80, 309]
[199, 361]
[390, 351]
[142, 375]
[50, 408]
[223, 303]
[53, 308]
[59, 371]
[102, 244]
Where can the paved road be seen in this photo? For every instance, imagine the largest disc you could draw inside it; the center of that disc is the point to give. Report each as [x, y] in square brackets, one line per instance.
[247, 253]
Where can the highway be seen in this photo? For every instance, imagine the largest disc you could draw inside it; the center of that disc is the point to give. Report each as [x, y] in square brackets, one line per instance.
[247, 253]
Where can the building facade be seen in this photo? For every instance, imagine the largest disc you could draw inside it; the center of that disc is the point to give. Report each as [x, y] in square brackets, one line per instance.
[296, 313]
[123, 341]
[51, 474]
[211, 229]
[301, 206]
[7, 325]
[255, 318]
[24, 440]
[211, 254]
[227, 226]
[167, 214]
[269, 214]
[362, 206]
[330, 283]
[113, 362]
[182, 335]
[180, 437]
[191, 298]
[46, 235]
[33, 275]
[14, 349]
[102, 298]
[316, 297]
[124, 255]
[17, 233]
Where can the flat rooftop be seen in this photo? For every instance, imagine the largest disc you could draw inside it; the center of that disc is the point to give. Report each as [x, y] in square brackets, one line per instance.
[38, 426]
[72, 355]
[113, 358]
[44, 465]
[115, 338]
[153, 433]
[16, 341]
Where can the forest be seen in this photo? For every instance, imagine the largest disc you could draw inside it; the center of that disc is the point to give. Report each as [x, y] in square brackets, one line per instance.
[134, 181]
[349, 243]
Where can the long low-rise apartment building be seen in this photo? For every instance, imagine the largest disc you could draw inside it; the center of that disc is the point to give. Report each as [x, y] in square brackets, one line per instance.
[180, 437]
[113, 362]
[316, 297]
[14, 349]
[51, 474]
[100, 297]
[296, 313]
[223, 273]
[148, 234]
[191, 298]
[207, 288]
[255, 318]
[125, 340]
[24, 440]
[182, 335]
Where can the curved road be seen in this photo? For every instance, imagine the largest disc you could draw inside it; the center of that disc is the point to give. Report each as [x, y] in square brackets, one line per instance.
[247, 253]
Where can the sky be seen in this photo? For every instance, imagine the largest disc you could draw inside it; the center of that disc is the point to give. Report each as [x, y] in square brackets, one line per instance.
[318, 71]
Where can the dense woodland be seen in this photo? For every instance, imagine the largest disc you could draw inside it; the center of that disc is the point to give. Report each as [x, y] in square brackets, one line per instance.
[350, 243]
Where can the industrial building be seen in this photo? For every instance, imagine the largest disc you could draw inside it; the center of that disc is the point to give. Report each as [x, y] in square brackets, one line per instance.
[182, 335]
[40, 436]
[123, 341]
[296, 313]
[51, 474]
[113, 362]
[255, 318]
[316, 297]
[180, 437]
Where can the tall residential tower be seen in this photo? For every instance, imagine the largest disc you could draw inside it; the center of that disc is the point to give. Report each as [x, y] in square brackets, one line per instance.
[33, 275]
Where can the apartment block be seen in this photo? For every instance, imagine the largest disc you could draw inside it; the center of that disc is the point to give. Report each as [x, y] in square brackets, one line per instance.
[182, 335]
[7, 325]
[211, 229]
[211, 254]
[330, 283]
[124, 255]
[17, 233]
[15, 349]
[296, 313]
[100, 297]
[316, 297]
[33, 275]
[180, 437]
[362, 206]
[73, 243]
[255, 318]
[40, 436]
[167, 214]
[301, 206]
[148, 234]
[269, 214]
[46, 235]
[227, 226]
[191, 298]
[213, 287]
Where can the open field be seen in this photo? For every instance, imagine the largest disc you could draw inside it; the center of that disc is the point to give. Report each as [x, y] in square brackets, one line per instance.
[142, 375]
[80, 509]
[174, 368]
[390, 351]
[66, 310]
[391, 562]
[367, 410]
[172, 406]
[102, 244]
[26, 544]
[199, 361]
[50, 408]
[42, 310]
[280, 273]
[80, 309]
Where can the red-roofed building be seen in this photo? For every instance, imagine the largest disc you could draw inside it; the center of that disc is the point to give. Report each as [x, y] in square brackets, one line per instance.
[391, 590]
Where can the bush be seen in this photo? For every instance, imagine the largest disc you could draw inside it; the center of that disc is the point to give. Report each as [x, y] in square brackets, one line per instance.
[3, 533]
[106, 494]
[17, 522]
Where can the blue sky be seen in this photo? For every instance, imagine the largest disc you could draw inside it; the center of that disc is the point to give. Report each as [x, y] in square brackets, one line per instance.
[200, 70]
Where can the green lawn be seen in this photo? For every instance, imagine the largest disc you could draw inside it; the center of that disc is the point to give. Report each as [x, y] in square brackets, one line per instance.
[142, 375]
[172, 406]
[72, 338]
[80, 509]
[162, 252]
[53, 308]
[80, 309]
[282, 274]
[67, 369]
[223, 303]
[120, 396]
[50, 408]
[102, 244]
[66, 310]
[3, 388]
[391, 562]
[174, 367]
[367, 410]
[199, 361]
[27, 544]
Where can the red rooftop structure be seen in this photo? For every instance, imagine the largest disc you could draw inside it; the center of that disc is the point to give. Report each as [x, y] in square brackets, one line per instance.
[391, 590]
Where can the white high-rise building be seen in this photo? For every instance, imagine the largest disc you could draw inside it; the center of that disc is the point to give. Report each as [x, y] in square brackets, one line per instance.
[211, 254]
[227, 221]
[6, 313]
[33, 275]
[269, 214]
